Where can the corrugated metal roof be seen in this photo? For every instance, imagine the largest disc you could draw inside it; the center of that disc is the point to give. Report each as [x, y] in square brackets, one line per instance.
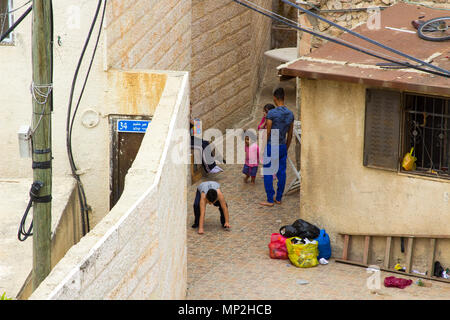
[336, 62]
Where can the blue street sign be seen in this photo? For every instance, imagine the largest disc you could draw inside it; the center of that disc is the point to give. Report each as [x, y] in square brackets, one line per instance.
[134, 126]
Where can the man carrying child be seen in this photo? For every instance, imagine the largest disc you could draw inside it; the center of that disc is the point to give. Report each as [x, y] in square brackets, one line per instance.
[280, 125]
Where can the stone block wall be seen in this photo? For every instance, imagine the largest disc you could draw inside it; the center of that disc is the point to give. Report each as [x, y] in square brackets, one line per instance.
[228, 43]
[138, 251]
[220, 42]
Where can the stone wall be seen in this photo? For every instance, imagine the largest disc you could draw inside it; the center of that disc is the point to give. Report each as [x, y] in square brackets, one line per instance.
[149, 34]
[220, 42]
[228, 42]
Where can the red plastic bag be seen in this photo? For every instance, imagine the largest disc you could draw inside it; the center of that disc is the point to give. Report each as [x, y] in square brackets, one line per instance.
[277, 247]
[396, 282]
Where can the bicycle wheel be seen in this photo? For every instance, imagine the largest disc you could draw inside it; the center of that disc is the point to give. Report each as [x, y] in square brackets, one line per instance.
[437, 29]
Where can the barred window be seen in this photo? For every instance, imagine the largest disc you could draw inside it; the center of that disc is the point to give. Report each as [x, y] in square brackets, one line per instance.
[427, 129]
[396, 122]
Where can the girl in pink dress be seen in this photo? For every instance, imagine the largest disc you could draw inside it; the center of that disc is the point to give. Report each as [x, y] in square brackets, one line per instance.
[262, 124]
[251, 159]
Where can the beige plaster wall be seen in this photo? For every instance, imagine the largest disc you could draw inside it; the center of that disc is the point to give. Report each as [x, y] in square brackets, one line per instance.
[90, 145]
[341, 195]
[16, 260]
[66, 230]
[138, 251]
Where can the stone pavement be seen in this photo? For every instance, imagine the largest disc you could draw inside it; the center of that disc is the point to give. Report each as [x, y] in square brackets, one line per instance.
[235, 264]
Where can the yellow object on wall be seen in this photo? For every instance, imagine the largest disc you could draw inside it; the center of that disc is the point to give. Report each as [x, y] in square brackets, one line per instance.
[409, 162]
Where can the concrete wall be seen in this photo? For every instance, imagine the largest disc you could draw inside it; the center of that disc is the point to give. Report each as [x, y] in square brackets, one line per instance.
[66, 229]
[16, 261]
[16, 100]
[228, 43]
[138, 251]
[341, 195]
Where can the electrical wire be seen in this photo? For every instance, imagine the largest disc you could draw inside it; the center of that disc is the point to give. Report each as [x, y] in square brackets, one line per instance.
[89, 68]
[10, 29]
[23, 234]
[318, 32]
[341, 41]
[368, 39]
[16, 9]
[338, 41]
[295, 25]
[69, 124]
[337, 10]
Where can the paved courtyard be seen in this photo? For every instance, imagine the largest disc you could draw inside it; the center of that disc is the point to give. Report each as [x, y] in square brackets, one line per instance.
[235, 264]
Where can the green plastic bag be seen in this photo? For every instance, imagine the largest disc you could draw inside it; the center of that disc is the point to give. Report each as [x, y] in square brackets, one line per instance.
[303, 255]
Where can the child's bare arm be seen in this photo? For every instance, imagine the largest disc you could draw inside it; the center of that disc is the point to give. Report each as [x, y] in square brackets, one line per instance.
[202, 213]
[224, 207]
[268, 130]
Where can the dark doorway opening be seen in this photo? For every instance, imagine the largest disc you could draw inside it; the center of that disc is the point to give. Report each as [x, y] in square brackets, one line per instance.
[127, 133]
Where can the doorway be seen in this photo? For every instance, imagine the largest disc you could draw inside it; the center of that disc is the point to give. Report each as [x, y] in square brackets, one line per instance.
[127, 133]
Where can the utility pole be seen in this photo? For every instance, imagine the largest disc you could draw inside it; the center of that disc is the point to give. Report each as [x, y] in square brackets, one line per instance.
[41, 137]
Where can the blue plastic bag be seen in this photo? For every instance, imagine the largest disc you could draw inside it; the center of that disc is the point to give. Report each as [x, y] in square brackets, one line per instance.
[324, 245]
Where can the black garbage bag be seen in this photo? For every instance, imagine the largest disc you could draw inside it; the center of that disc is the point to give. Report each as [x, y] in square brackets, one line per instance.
[288, 231]
[300, 228]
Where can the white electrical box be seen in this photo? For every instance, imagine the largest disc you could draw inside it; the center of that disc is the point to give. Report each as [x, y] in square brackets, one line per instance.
[25, 141]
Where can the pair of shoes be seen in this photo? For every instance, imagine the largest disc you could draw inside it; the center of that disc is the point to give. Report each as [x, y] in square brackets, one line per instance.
[216, 169]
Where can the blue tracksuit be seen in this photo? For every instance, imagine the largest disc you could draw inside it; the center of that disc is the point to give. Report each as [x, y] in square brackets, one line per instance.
[275, 162]
[276, 151]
